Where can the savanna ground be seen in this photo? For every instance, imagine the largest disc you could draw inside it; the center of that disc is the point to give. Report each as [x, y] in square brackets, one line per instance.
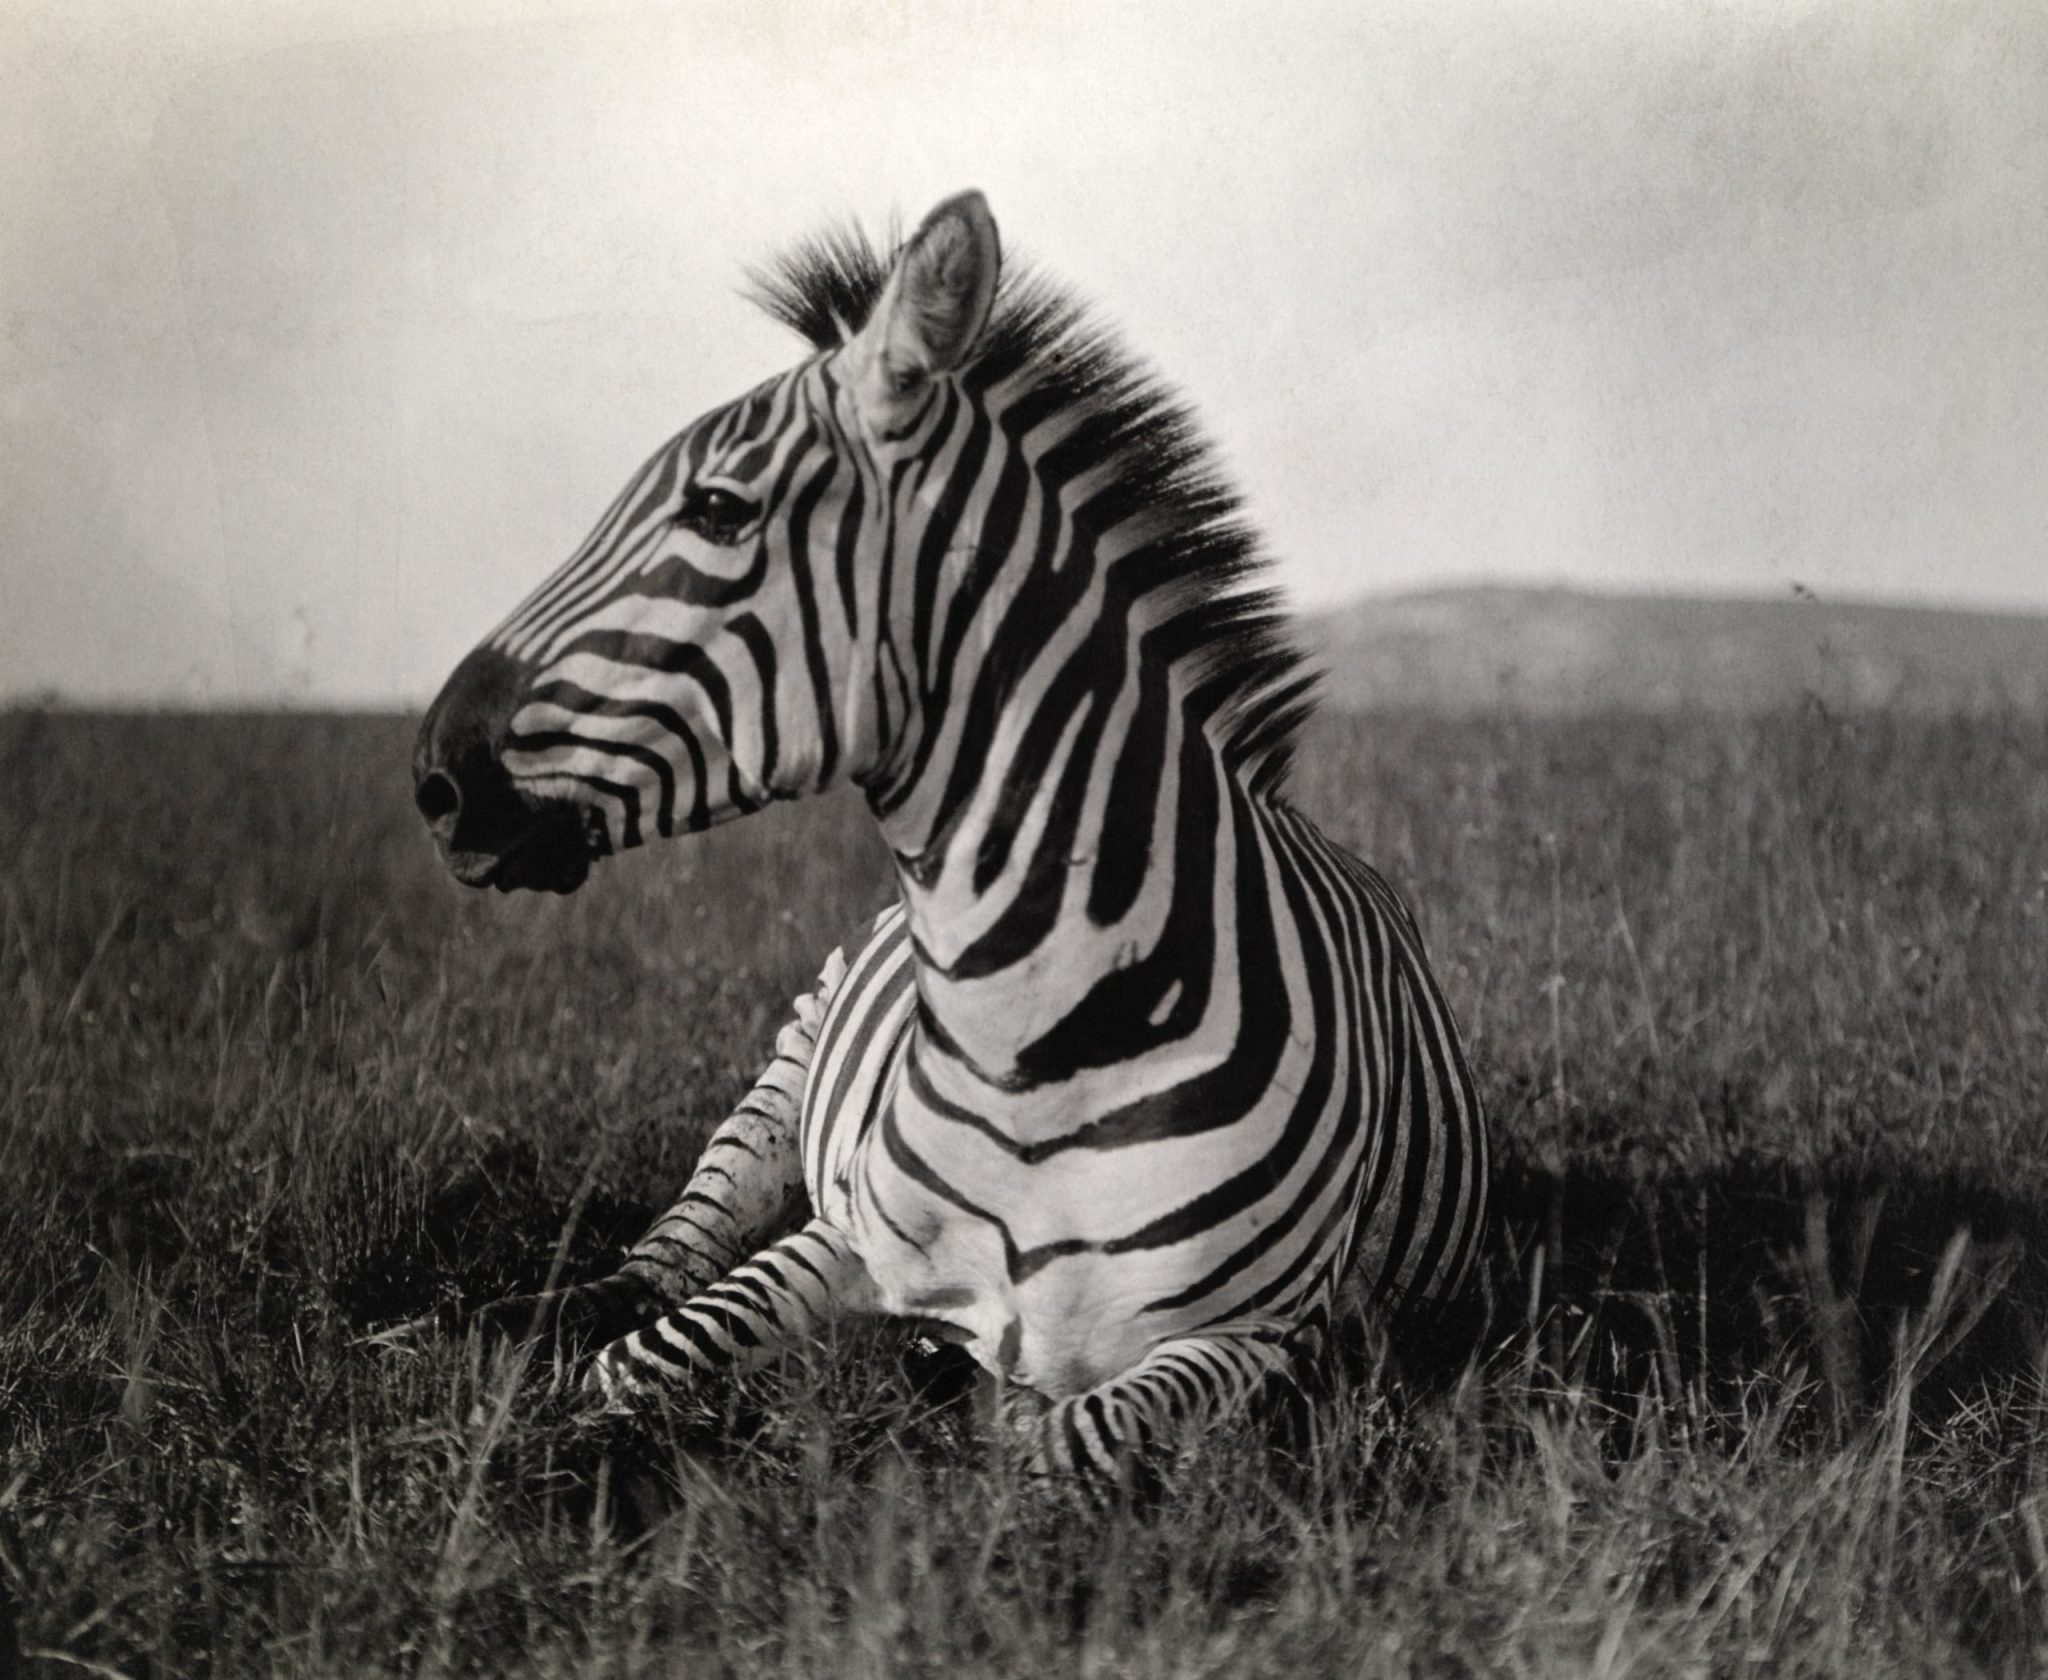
[1760, 1008]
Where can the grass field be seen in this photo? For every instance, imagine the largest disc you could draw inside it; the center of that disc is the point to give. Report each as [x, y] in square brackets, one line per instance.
[1760, 1009]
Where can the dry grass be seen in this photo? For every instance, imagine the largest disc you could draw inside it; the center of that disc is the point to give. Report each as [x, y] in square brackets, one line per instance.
[1761, 1009]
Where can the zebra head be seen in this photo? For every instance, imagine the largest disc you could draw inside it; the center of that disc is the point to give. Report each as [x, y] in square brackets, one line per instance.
[726, 636]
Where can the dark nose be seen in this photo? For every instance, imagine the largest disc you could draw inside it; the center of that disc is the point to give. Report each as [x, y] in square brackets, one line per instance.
[459, 780]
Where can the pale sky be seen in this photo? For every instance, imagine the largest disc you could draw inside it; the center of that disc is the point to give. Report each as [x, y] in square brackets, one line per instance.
[331, 325]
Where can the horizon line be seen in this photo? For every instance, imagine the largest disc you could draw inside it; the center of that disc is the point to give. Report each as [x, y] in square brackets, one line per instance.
[1793, 596]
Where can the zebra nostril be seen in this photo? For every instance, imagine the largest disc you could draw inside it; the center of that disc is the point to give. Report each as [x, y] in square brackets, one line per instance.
[438, 797]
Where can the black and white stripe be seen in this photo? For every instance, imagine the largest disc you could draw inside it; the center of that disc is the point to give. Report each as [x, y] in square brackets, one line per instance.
[1142, 1062]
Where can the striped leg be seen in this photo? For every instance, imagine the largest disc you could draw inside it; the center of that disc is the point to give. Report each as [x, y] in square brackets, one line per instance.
[751, 1316]
[749, 1184]
[747, 1190]
[1097, 1437]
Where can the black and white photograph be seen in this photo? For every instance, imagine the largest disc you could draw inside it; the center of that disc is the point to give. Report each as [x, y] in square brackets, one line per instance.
[929, 838]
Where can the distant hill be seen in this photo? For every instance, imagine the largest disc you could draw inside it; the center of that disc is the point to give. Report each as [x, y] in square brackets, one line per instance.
[1558, 650]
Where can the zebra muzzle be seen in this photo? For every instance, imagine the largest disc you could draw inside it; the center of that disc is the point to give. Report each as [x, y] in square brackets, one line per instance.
[489, 831]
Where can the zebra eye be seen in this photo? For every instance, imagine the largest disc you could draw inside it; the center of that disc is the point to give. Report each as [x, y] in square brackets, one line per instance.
[714, 514]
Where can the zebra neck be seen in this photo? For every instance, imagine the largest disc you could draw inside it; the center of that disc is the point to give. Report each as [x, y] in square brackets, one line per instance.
[1077, 910]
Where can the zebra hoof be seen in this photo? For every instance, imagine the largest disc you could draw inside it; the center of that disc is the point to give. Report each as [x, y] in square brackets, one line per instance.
[603, 1384]
[616, 1380]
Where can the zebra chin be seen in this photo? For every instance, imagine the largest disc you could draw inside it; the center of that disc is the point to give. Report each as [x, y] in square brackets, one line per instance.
[552, 854]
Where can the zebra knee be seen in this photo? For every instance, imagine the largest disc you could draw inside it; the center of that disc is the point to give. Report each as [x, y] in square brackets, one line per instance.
[1092, 1439]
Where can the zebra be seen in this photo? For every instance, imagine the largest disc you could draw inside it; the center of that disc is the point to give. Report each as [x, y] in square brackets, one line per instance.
[1138, 1065]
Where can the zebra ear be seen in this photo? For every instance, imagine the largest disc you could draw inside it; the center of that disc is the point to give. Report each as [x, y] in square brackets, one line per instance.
[933, 308]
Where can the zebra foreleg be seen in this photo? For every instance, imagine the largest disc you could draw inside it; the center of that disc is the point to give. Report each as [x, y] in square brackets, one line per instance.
[1103, 1436]
[747, 1190]
[750, 1317]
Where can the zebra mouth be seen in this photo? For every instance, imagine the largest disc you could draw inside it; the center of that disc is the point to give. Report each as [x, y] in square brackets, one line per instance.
[551, 855]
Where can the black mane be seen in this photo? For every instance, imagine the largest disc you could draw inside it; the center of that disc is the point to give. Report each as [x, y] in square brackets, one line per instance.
[1209, 571]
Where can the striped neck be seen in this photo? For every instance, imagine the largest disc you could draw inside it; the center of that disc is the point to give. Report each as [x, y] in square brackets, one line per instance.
[1073, 698]
[1073, 922]
[1064, 815]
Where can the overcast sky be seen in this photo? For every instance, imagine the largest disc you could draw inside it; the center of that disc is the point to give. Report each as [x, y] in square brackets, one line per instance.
[330, 325]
